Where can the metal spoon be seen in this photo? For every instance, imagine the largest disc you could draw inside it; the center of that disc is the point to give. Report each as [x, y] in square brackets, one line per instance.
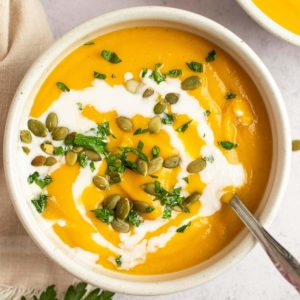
[285, 263]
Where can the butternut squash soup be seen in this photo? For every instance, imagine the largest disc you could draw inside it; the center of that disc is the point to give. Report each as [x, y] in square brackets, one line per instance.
[131, 143]
[284, 12]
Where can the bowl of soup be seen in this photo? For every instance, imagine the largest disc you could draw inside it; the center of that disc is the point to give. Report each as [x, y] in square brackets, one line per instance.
[126, 135]
[281, 18]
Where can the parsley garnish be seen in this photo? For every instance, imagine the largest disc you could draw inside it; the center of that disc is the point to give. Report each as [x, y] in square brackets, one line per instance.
[92, 166]
[60, 150]
[112, 57]
[141, 131]
[186, 179]
[140, 146]
[209, 158]
[82, 160]
[168, 119]
[104, 215]
[184, 126]
[40, 203]
[211, 56]
[230, 95]
[134, 219]
[155, 151]
[175, 73]
[227, 145]
[41, 182]
[183, 227]
[144, 72]
[103, 130]
[195, 66]
[157, 77]
[118, 260]
[167, 214]
[62, 87]
[94, 143]
[99, 75]
[89, 43]
[79, 105]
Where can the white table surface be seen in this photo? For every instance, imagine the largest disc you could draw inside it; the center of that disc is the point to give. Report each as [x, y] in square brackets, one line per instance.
[254, 277]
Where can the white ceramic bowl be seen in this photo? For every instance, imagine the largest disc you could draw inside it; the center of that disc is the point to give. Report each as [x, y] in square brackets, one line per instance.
[153, 16]
[267, 23]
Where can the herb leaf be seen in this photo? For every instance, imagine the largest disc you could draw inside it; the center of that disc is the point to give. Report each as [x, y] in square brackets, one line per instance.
[118, 260]
[195, 66]
[40, 203]
[89, 43]
[211, 56]
[209, 158]
[41, 182]
[82, 160]
[60, 150]
[134, 219]
[186, 179]
[175, 73]
[103, 130]
[99, 75]
[112, 57]
[167, 214]
[183, 227]
[92, 166]
[144, 72]
[76, 292]
[94, 143]
[168, 119]
[227, 145]
[157, 77]
[155, 151]
[141, 131]
[183, 127]
[79, 104]
[230, 95]
[104, 215]
[62, 87]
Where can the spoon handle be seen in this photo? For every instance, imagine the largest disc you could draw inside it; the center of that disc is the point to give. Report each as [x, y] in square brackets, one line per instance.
[286, 264]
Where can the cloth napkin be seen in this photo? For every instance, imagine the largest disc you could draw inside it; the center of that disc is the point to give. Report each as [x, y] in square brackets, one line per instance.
[24, 34]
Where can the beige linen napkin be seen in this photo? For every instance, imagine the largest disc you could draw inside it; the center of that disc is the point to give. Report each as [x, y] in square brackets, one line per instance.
[24, 34]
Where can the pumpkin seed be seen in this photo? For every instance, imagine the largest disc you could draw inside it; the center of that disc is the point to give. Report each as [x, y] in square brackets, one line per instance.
[154, 125]
[124, 124]
[51, 121]
[60, 133]
[177, 208]
[38, 161]
[159, 108]
[142, 206]
[71, 158]
[48, 148]
[132, 86]
[100, 182]
[196, 165]
[37, 128]
[192, 198]
[122, 209]
[120, 225]
[70, 138]
[155, 165]
[50, 161]
[77, 149]
[25, 149]
[296, 145]
[171, 162]
[190, 83]
[142, 166]
[172, 98]
[148, 92]
[92, 155]
[114, 177]
[111, 201]
[25, 136]
[149, 188]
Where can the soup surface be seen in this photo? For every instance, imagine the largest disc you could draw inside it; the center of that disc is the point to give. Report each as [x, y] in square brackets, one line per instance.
[286, 13]
[131, 143]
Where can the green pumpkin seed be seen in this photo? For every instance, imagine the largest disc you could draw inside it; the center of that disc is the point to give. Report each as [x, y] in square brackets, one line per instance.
[111, 201]
[25, 136]
[50, 161]
[124, 124]
[51, 121]
[155, 165]
[48, 148]
[177, 208]
[148, 92]
[71, 158]
[25, 149]
[60, 133]
[69, 140]
[142, 166]
[92, 155]
[149, 188]
[196, 165]
[172, 98]
[171, 162]
[37, 128]
[154, 125]
[100, 182]
[120, 225]
[38, 161]
[190, 83]
[159, 108]
[142, 206]
[192, 198]
[77, 149]
[132, 86]
[114, 177]
[296, 145]
[122, 209]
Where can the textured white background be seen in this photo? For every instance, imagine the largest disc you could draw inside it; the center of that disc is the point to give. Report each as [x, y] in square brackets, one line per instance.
[255, 277]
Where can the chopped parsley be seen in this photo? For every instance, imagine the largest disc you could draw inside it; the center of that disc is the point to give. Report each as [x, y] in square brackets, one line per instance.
[103, 130]
[182, 228]
[227, 145]
[134, 219]
[150, 209]
[89, 43]
[94, 143]
[168, 119]
[207, 113]
[79, 105]
[141, 131]
[209, 158]
[211, 56]
[60, 150]
[112, 57]
[155, 151]
[118, 260]
[104, 215]
[140, 146]
[99, 75]
[92, 166]
[230, 95]
[167, 213]
[62, 87]
[40, 203]
[186, 179]
[184, 126]
[41, 182]
[195, 66]
[157, 77]
[144, 72]
[175, 73]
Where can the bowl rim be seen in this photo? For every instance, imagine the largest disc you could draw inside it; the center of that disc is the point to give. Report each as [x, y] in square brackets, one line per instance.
[267, 23]
[144, 13]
